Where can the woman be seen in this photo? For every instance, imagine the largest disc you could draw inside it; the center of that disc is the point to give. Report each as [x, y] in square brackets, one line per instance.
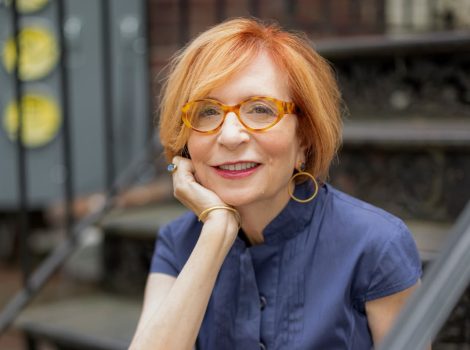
[270, 256]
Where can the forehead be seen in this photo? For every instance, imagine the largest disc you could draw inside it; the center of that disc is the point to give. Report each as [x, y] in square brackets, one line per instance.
[260, 77]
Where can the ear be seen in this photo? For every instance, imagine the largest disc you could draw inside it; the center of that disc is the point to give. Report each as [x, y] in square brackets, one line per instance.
[299, 159]
[301, 156]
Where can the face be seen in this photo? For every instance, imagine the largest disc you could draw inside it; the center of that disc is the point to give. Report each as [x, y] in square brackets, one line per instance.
[244, 167]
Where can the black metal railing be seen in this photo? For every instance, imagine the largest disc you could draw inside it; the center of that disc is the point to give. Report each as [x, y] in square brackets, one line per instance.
[22, 178]
[37, 279]
[31, 282]
[65, 103]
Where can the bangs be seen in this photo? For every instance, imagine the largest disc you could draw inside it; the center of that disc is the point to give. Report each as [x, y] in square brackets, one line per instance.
[215, 65]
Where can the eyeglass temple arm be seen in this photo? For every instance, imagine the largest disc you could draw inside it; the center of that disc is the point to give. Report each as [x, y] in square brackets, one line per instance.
[290, 108]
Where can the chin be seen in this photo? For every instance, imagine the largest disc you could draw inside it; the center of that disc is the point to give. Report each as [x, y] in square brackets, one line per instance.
[237, 198]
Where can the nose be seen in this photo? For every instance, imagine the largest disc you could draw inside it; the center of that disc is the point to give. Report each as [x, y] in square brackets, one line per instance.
[232, 133]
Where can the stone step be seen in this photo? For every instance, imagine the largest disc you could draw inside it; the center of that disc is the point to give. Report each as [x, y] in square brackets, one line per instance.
[425, 179]
[93, 322]
[128, 244]
[108, 322]
[142, 224]
[413, 167]
[129, 239]
[412, 132]
[394, 45]
[430, 237]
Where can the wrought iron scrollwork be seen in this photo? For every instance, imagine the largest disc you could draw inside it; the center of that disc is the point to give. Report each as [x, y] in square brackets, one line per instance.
[423, 86]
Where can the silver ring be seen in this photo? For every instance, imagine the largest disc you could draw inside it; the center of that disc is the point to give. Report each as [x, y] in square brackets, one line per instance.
[171, 168]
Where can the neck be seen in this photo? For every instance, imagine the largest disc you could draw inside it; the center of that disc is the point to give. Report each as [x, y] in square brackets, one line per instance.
[256, 216]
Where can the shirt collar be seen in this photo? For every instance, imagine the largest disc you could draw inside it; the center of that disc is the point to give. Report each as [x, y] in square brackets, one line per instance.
[294, 217]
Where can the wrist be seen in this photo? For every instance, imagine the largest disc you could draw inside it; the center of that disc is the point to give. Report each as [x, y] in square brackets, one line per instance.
[221, 224]
[222, 215]
[218, 210]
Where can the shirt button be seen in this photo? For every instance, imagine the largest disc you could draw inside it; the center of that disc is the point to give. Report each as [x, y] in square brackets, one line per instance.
[262, 346]
[262, 302]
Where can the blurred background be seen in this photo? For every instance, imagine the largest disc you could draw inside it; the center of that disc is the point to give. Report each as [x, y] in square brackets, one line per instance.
[83, 187]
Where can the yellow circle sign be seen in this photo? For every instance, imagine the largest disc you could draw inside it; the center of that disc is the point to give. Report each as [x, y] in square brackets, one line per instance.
[41, 120]
[39, 53]
[28, 6]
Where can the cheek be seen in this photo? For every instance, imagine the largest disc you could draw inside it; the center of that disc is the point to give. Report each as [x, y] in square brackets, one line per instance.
[199, 151]
[282, 149]
[197, 147]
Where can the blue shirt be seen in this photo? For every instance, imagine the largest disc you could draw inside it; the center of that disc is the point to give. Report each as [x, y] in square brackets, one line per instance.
[306, 286]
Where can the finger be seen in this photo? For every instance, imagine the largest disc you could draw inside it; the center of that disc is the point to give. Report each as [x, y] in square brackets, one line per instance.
[184, 164]
[182, 178]
[188, 190]
[184, 172]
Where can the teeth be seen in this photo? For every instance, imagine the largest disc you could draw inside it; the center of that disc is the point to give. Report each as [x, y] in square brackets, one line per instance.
[238, 166]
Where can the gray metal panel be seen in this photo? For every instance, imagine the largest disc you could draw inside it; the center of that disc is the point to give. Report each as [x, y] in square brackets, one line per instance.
[86, 97]
[131, 88]
[40, 160]
[83, 26]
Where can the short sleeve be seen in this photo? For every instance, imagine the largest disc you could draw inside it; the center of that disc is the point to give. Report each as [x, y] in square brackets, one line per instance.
[397, 268]
[164, 257]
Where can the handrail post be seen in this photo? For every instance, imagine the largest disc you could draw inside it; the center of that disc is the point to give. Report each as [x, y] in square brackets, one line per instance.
[67, 154]
[23, 212]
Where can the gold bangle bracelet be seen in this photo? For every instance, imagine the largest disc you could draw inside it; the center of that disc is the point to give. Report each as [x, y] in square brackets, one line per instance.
[204, 213]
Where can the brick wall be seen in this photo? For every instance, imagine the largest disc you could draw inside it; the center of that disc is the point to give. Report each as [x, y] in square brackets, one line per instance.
[319, 18]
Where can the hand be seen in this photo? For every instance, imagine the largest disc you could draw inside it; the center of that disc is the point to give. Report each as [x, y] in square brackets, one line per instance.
[188, 191]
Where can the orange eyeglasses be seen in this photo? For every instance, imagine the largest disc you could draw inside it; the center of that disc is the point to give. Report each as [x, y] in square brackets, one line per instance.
[256, 113]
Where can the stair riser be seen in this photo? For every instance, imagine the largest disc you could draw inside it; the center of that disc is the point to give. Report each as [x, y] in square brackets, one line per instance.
[413, 184]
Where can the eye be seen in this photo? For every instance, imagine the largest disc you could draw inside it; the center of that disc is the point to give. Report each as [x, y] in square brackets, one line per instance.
[208, 112]
[261, 109]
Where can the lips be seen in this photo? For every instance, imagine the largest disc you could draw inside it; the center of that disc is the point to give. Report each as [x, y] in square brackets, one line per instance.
[238, 166]
[236, 170]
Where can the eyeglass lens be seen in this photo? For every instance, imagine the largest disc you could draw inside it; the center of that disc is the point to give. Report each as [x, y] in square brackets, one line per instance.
[206, 115]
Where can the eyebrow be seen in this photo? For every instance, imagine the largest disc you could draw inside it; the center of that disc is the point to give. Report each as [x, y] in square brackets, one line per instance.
[246, 97]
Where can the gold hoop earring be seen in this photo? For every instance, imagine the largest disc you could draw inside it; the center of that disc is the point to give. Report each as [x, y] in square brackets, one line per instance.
[300, 173]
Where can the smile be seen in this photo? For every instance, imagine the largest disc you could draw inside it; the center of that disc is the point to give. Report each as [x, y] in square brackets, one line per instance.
[236, 171]
[238, 166]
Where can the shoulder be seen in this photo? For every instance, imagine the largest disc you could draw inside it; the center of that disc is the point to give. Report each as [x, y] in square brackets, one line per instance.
[378, 244]
[366, 236]
[361, 221]
[358, 212]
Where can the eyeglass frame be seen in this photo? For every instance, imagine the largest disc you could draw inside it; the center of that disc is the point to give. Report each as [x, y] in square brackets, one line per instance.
[283, 109]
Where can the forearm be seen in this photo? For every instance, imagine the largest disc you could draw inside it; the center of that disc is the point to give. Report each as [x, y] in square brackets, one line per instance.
[175, 322]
